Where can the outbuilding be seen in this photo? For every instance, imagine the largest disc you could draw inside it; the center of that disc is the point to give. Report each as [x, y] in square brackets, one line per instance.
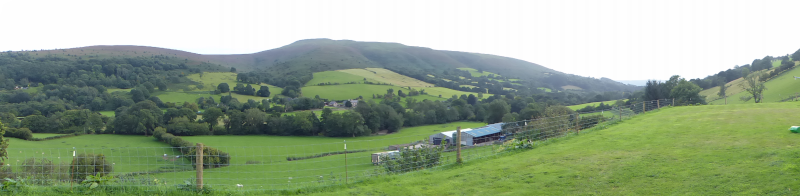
[487, 133]
[377, 157]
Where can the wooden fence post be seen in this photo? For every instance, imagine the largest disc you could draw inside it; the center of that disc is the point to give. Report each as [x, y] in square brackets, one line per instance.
[643, 108]
[620, 113]
[658, 102]
[345, 161]
[199, 160]
[458, 145]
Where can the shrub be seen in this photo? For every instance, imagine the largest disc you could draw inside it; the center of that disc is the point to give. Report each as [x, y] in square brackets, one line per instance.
[212, 157]
[414, 159]
[39, 169]
[21, 133]
[89, 165]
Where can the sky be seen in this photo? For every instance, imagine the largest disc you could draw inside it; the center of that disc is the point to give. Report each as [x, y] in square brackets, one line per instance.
[621, 40]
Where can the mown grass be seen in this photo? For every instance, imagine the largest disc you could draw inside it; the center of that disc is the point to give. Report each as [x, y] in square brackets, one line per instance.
[269, 169]
[352, 91]
[697, 150]
[386, 76]
[44, 135]
[340, 77]
[779, 88]
[545, 89]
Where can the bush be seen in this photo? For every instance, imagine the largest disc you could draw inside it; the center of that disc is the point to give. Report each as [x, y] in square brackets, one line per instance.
[21, 133]
[89, 165]
[39, 170]
[212, 157]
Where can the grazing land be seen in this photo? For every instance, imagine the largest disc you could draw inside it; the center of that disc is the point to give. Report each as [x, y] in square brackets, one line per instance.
[593, 104]
[545, 89]
[476, 73]
[210, 80]
[129, 153]
[698, 150]
[333, 77]
[779, 88]
[386, 76]
[571, 87]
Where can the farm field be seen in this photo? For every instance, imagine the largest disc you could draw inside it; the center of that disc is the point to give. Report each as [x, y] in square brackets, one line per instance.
[733, 88]
[703, 150]
[476, 73]
[571, 87]
[211, 80]
[595, 104]
[545, 89]
[352, 91]
[108, 113]
[44, 135]
[779, 88]
[386, 76]
[267, 155]
[340, 77]
[129, 153]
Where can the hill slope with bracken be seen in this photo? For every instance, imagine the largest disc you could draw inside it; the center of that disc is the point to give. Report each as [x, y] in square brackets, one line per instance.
[304, 57]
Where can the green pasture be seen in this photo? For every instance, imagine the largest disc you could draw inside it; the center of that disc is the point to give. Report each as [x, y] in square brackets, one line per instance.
[107, 113]
[386, 76]
[211, 80]
[128, 153]
[352, 91]
[571, 87]
[776, 63]
[545, 89]
[468, 86]
[476, 73]
[594, 104]
[269, 169]
[336, 77]
[44, 135]
[697, 150]
[779, 88]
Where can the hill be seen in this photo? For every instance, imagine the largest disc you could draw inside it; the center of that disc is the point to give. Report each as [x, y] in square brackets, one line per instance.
[302, 58]
[705, 150]
[780, 88]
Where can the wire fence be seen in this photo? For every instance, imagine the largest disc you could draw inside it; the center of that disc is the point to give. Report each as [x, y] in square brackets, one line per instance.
[290, 167]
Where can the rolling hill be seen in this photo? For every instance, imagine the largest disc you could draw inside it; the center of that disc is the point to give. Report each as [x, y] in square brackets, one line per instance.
[304, 57]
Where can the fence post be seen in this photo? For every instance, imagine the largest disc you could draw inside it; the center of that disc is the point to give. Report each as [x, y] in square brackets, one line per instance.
[199, 160]
[458, 145]
[658, 102]
[345, 161]
[673, 102]
[643, 108]
[620, 112]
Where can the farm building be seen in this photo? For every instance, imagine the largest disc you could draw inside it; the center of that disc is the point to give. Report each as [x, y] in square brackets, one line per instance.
[487, 133]
[436, 139]
[333, 103]
[376, 157]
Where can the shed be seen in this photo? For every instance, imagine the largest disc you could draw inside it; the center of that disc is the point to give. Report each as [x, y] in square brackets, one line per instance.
[376, 157]
[480, 135]
[436, 139]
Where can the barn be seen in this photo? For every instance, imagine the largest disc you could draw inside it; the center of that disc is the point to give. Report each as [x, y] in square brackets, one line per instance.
[487, 133]
[436, 139]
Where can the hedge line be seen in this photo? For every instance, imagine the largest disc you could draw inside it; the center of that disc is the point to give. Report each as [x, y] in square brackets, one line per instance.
[293, 158]
[26, 134]
[212, 157]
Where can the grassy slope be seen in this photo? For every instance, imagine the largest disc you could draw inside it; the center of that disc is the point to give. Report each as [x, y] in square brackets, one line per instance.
[571, 87]
[274, 171]
[352, 91]
[706, 150]
[778, 88]
[581, 106]
[386, 76]
[129, 152]
[340, 77]
[476, 73]
[210, 81]
[545, 89]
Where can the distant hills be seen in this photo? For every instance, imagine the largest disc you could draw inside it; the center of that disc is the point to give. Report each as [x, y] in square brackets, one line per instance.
[304, 57]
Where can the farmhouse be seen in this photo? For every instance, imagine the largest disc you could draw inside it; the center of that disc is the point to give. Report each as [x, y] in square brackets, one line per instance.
[487, 133]
[354, 102]
[333, 103]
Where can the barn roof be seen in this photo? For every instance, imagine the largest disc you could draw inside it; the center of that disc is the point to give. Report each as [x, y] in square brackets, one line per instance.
[486, 130]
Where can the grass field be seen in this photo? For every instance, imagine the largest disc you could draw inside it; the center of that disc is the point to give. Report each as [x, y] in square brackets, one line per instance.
[352, 91]
[778, 88]
[733, 88]
[274, 171]
[571, 87]
[386, 76]
[476, 73]
[211, 80]
[340, 77]
[545, 89]
[129, 153]
[581, 106]
[776, 63]
[44, 135]
[468, 86]
[705, 150]
[108, 113]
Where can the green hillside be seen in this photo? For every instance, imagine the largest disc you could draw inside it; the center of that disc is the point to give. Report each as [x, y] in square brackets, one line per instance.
[780, 88]
[304, 57]
[705, 150]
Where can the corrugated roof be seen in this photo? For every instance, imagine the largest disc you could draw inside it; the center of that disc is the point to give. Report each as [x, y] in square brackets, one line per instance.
[487, 130]
[450, 133]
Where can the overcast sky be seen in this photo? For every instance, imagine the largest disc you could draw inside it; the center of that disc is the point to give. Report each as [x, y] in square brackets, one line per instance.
[621, 40]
